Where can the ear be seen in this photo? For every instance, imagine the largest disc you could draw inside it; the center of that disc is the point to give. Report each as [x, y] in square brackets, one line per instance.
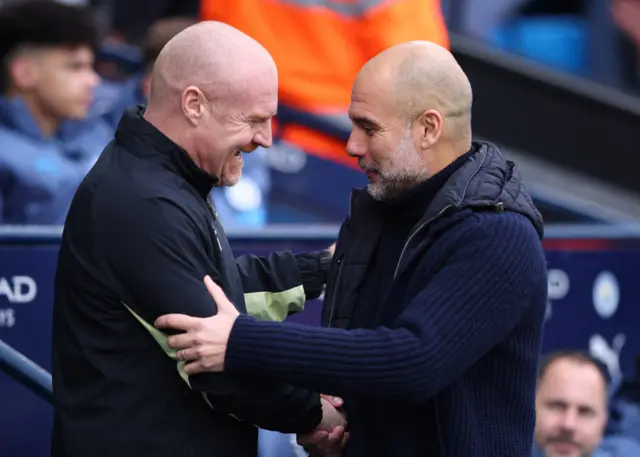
[145, 85]
[430, 124]
[193, 104]
[23, 73]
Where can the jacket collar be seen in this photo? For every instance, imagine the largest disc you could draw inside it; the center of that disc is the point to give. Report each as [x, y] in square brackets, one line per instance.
[142, 139]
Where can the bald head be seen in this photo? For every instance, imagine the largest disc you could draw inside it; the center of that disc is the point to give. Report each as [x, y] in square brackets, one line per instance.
[420, 76]
[212, 56]
[411, 113]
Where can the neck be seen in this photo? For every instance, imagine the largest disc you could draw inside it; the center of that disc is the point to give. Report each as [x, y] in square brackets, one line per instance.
[48, 124]
[169, 126]
[445, 154]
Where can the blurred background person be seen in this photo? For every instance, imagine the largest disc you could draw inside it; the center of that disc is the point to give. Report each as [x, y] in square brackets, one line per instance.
[572, 409]
[47, 143]
[129, 21]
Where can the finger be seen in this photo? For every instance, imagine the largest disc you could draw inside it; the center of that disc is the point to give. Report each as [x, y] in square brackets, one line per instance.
[315, 437]
[344, 440]
[336, 402]
[194, 368]
[307, 439]
[176, 321]
[333, 439]
[182, 341]
[187, 355]
[217, 294]
[336, 433]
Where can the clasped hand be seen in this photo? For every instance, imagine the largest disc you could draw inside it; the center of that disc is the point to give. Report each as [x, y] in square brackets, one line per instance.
[330, 437]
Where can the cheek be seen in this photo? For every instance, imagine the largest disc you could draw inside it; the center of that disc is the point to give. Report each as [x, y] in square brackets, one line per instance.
[384, 157]
[56, 97]
[545, 425]
[592, 432]
[67, 91]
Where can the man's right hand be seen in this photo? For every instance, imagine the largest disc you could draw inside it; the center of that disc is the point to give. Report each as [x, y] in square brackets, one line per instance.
[329, 438]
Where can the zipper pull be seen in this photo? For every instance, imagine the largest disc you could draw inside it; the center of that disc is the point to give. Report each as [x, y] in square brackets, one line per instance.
[212, 207]
[215, 233]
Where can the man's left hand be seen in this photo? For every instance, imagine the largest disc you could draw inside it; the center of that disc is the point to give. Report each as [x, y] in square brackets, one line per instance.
[204, 344]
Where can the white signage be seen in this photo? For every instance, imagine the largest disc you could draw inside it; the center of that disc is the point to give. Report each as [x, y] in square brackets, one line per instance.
[15, 290]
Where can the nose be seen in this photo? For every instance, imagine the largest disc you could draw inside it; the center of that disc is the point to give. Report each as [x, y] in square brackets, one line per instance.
[569, 419]
[355, 145]
[264, 136]
[92, 78]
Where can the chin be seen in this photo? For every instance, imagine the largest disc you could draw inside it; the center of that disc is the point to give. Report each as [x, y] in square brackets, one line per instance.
[77, 111]
[230, 181]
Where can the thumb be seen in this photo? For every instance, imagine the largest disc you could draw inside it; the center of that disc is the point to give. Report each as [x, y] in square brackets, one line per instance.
[222, 302]
[336, 402]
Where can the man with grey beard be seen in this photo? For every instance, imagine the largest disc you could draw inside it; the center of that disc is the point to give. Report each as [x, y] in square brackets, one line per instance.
[436, 294]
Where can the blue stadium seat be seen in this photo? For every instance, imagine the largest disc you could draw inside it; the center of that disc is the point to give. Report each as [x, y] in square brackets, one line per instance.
[560, 42]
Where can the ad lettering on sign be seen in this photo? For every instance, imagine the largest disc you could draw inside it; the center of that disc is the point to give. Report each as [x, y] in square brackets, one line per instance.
[15, 290]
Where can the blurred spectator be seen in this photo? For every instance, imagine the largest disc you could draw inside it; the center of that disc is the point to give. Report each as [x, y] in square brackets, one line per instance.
[46, 82]
[243, 205]
[136, 90]
[571, 407]
[626, 15]
[625, 407]
[130, 20]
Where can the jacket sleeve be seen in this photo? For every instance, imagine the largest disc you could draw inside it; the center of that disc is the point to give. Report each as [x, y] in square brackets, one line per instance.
[279, 284]
[159, 255]
[493, 278]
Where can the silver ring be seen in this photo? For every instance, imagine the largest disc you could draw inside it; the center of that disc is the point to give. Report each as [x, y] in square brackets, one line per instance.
[181, 354]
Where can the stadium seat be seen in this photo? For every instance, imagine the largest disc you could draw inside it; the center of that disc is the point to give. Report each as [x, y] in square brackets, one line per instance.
[557, 41]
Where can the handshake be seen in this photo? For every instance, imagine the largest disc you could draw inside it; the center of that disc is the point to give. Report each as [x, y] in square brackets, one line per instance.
[330, 437]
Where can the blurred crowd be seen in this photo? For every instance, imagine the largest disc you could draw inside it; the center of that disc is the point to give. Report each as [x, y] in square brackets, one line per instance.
[70, 68]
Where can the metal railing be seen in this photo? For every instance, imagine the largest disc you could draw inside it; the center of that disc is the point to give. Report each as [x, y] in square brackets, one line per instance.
[26, 372]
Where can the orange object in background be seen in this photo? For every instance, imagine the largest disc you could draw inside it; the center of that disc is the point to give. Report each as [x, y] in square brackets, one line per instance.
[320, 45]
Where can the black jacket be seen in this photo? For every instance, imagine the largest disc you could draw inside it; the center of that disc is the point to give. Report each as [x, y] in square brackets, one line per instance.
[140, 236]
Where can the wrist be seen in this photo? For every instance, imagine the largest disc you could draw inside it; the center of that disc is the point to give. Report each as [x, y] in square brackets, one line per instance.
[240, 330]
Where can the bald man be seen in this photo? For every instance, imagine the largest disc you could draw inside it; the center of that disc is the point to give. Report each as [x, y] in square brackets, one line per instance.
[437, 292]
[140, 236]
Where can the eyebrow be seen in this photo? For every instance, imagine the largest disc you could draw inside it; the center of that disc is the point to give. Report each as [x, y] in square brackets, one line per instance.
[263, 117]
[363, 120]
